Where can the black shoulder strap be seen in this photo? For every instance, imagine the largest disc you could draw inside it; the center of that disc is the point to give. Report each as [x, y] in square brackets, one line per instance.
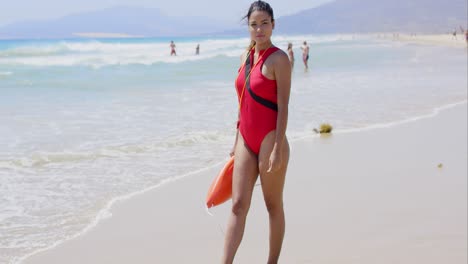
[267, 103]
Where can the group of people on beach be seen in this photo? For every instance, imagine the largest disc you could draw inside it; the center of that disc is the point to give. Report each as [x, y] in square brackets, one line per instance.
[174, 53]
[305, 54]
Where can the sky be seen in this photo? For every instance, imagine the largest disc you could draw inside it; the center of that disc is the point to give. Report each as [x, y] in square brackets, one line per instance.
[230, 11]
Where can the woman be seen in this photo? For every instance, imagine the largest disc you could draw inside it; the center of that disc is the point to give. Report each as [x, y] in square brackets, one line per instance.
[173, 46]
[261, 148]
[291, 54]
[305, 54]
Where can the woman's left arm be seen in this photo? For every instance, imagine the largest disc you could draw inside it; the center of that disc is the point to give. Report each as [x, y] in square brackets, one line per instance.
[282, 71]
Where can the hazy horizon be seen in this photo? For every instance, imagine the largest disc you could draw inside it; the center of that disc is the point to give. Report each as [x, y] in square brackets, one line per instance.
[229, 12]
[121, 19]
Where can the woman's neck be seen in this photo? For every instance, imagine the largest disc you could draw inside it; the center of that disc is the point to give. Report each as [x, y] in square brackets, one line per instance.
[263, 46]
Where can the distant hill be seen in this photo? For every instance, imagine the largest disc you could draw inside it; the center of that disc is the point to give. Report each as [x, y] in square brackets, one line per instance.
[340, 16]
[362, 16]
[134, 21]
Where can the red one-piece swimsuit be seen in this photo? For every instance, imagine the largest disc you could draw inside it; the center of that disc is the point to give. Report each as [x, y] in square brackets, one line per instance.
[256, 120]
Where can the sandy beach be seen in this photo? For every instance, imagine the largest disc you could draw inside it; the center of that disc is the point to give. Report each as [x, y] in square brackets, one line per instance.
[395, 194]
[427, 39]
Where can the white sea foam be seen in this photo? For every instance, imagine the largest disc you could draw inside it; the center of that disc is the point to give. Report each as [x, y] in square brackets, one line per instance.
[99, 54]
[106, 211]
[5, 73]
[42, 159]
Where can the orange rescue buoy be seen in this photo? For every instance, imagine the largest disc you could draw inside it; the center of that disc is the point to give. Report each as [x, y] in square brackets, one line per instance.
[221, 188]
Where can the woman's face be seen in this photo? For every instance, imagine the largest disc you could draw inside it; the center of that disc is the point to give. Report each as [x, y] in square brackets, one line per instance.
[260, 27]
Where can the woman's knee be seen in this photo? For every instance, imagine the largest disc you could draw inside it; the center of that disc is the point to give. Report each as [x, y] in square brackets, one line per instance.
[274, 206]
[240, 207]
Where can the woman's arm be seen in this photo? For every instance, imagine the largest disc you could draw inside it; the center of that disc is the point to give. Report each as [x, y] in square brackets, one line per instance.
[233, 150]
[282, 71]
[243, 57]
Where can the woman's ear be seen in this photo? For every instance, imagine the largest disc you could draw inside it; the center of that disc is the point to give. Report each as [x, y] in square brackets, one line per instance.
[273, 24]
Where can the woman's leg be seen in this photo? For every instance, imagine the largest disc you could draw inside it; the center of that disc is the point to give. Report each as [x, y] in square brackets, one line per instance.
[243, 181]
[272, 186]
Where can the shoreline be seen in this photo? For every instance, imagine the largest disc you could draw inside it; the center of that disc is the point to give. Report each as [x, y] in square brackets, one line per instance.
[435, 111]
[106, 214]
[446, 40]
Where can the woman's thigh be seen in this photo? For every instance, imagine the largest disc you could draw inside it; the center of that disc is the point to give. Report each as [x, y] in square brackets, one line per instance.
[272, 182]
[245, 172]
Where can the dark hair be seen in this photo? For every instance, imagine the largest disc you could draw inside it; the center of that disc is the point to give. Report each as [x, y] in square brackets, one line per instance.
[259, 6]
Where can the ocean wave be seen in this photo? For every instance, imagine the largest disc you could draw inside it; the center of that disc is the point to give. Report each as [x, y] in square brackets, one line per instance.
[112, 59]
[105, 213]
[5, 74]
[33, 51]
[183, 141]
[101, 54]
[143, 51]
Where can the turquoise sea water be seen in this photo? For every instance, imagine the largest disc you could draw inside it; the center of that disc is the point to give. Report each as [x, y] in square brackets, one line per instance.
[83, 122]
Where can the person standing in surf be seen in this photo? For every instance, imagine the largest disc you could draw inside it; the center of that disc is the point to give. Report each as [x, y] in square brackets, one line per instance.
[305, 54]
[291, 54]
[173, 46]
[261, 147]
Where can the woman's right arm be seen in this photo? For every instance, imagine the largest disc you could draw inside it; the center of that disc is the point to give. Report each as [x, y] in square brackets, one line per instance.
[243, 56]
[233, 150]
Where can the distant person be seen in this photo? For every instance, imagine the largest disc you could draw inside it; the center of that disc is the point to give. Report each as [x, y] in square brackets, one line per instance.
[465, 33]
[197, 49]
[305, 54]
[291, 54]
[454, 34]
[173, 51]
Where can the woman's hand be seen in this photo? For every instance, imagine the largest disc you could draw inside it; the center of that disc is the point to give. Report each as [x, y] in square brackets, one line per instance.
[233, 150]
[275, 160]
[231, 153]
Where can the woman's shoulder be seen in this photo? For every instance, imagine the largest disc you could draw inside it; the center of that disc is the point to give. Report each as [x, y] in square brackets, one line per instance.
[280, 60]
[279, 55]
